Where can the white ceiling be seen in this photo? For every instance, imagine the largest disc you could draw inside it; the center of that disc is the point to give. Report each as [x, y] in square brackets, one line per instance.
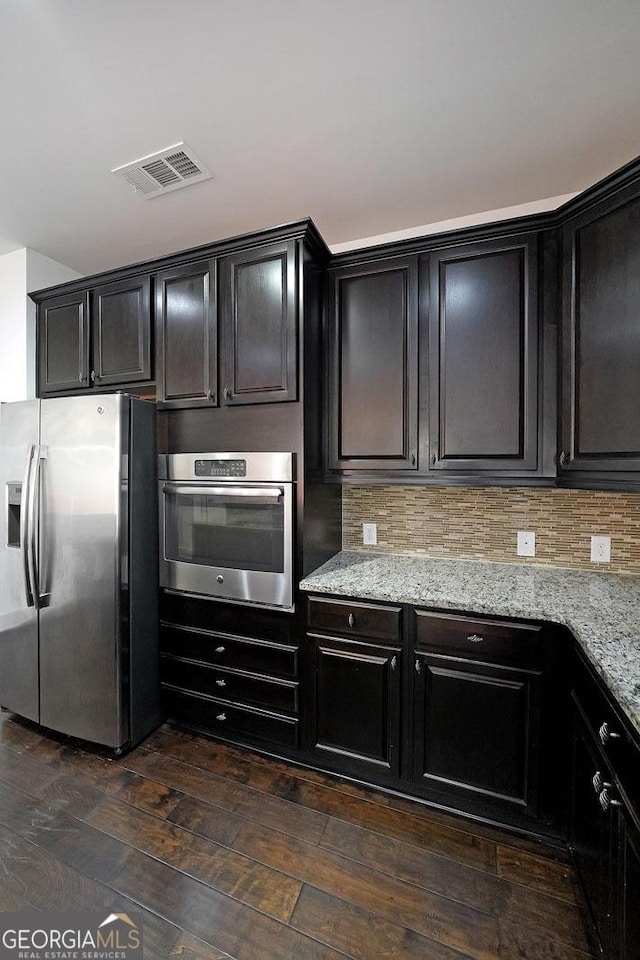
[370, 116]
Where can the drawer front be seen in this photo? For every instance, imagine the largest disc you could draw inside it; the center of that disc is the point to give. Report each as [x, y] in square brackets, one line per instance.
[231, 685]
[478, 638]
[229, 720]
[355, 619]
[256, 656]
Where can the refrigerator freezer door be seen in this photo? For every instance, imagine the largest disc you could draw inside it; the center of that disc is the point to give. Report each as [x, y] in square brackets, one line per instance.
[19, 427]
[83, 525]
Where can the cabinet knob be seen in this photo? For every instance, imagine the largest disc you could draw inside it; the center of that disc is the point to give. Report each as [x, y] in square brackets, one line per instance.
[93, 376]
[226, 393]
[351, 620]
[413, 459]
[475, 638]
[606, 800]
[607, 734]
[434, 457]
[394, 662]
[219, 649]
[221, 683]
[221, 716]
[418, 667]
[597, 781]
[211, 396]
[563, 459]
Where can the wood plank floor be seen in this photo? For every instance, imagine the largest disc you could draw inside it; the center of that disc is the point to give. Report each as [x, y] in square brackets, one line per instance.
[228, 854]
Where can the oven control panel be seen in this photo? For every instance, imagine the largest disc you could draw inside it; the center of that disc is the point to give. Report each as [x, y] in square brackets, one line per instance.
[220, 468]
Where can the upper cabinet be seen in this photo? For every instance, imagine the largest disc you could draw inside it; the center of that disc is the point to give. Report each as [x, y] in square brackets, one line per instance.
[483, 370]
[259, 324]
[373, 345]
[600, 427]
[63, 343]
[98, 337]
[187, 335]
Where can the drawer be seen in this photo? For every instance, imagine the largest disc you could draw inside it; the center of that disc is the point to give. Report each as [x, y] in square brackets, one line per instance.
[230, 685]
[218, 649]
[479, 638]
[228, 720]
[351, 618]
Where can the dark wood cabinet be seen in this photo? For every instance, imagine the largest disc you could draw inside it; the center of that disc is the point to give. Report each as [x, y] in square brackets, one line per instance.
[373, 345]
[187, 335]
[355, 650]
[357, 706]
[604, 829]
[628, 888]
[231, 671]
[63, 343]
[121, 332]
[96, 338]
[477, 713]
[591, 832]
[601, 339]
[484, 369]
[259, 324]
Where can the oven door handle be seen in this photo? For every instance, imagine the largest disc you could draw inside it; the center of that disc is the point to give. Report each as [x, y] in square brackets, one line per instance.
[229, 493]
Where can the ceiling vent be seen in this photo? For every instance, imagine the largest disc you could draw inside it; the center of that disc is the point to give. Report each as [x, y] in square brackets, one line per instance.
[169, 169]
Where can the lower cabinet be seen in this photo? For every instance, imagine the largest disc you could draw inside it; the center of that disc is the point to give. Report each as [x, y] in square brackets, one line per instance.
[476, 733]
[461, 711]
[604, 829]
[356, 668]
[232, 672]
[357, 706]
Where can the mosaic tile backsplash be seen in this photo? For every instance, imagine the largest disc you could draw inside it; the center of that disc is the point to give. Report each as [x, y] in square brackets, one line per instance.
[480, 523]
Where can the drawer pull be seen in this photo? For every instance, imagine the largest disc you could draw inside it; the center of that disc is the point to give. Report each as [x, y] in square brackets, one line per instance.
[219, 649]
[221, 683]
[351, 620]
[394, 661]
[221, 716]
[418, 666]
[606, 734]
[475, 638]
[597, 781]
[606, 800]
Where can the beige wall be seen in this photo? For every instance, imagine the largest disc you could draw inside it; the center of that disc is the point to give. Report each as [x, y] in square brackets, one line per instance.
[482, 522]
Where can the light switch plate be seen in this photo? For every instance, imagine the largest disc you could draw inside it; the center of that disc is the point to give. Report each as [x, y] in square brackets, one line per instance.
[370, 534]
[601, 549]
[526, 543]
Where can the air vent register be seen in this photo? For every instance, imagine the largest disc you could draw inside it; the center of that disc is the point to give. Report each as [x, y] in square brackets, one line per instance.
[169, 169]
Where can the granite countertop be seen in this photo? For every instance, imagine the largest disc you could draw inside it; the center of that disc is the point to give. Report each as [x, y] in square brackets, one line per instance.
[602, 610]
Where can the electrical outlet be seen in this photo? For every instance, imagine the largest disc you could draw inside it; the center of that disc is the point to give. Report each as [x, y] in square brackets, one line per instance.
[526, 543]
[601, 549]
[370, 534]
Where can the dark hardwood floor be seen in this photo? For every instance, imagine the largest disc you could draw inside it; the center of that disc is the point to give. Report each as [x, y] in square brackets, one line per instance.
[228, 854]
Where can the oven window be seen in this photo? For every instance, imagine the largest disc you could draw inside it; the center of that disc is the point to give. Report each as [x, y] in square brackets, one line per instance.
[239, 533]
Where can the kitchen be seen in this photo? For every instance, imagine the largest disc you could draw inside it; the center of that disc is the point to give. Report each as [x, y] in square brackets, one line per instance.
[239, 851]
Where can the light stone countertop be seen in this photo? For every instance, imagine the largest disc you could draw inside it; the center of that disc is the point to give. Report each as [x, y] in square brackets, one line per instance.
[602, 610]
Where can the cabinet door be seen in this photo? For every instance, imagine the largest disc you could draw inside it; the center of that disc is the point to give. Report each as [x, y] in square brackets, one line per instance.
[260, 323]
[483, 357]
[591, 833]
[374, 366]
[476, 733]
[121, 332]
[628, 889]
[357, 706]
[63, 343]
[601, 336]
[186, 335]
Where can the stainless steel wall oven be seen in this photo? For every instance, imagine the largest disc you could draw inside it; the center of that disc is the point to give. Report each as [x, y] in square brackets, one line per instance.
[226, 526]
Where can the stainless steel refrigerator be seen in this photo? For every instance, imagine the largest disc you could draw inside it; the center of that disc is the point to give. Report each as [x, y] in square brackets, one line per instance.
[78, 566]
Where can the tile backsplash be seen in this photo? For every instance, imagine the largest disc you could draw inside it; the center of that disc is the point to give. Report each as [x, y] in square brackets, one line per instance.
[481, 523]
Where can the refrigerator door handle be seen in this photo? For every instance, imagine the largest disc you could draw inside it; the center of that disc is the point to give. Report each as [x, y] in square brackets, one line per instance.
[39, 600]
[25, 535]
